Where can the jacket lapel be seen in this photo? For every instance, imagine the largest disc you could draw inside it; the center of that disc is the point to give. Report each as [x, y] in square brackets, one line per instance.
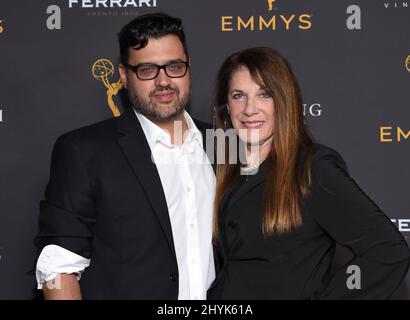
[221, 248]
[138, 153]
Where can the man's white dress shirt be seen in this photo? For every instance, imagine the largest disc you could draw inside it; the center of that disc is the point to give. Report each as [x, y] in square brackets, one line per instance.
[188, 182]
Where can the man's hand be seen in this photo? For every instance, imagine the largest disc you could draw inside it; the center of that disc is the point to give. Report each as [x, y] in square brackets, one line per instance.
[63, 287]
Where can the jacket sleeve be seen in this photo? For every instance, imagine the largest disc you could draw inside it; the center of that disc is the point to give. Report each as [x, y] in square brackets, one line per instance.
[67, 214]
[352, 219]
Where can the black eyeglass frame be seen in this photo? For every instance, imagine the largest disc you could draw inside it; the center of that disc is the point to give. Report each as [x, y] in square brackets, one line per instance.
[159, 67]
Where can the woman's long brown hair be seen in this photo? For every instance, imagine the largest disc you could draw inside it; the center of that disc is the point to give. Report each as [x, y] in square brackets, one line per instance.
[288, 178]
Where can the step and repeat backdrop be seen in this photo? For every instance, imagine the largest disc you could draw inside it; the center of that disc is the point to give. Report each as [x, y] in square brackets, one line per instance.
[59, 71]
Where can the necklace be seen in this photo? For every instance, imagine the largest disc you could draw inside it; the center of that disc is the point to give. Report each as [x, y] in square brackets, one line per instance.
[249, 171]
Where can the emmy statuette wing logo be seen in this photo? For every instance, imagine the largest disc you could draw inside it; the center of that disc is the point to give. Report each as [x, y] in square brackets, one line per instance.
[407, 63]
[270, 4]
[271, 20]
[103, 69]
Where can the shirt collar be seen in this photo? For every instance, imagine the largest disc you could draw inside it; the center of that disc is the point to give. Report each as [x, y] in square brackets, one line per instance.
[155, 134]
[193, 132]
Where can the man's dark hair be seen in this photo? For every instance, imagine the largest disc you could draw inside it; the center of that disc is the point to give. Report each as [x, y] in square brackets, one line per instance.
[154, 25]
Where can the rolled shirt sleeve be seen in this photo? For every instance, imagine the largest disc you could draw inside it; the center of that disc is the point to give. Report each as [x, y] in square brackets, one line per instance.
[67, 214]
[54, 260]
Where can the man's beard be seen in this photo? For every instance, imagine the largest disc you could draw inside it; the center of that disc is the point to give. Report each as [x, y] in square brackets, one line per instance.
[159, 112]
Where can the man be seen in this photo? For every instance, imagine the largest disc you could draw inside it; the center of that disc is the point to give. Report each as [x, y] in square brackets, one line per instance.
[128, 207]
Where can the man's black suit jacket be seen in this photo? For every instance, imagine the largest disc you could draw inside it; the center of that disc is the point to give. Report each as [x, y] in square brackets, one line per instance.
[105, 201]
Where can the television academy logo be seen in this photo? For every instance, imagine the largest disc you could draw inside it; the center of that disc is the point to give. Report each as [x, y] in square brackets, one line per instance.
[354, 18]
[53, 21]
[270, 4]
[1, 26]
[271, 22]
[407, 63]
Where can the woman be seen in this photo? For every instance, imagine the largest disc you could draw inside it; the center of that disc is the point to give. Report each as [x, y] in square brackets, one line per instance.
[279, 216]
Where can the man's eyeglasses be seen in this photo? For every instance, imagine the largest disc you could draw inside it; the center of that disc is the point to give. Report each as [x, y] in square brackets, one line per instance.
[149, 71]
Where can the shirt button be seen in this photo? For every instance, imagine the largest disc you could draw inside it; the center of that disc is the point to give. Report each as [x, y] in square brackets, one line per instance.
[192, 225]
[188, 189]
[173, 276]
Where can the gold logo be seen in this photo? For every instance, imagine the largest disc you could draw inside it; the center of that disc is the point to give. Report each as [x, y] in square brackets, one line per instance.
[270, 4]
[1, 27]
[407, 63]
[230, 23]
[102, 69]
[393, 134]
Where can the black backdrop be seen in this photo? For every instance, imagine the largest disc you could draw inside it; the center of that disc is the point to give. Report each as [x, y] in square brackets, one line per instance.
[352, 59]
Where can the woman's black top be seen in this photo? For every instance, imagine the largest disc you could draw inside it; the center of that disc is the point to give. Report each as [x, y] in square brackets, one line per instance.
[298, 264]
